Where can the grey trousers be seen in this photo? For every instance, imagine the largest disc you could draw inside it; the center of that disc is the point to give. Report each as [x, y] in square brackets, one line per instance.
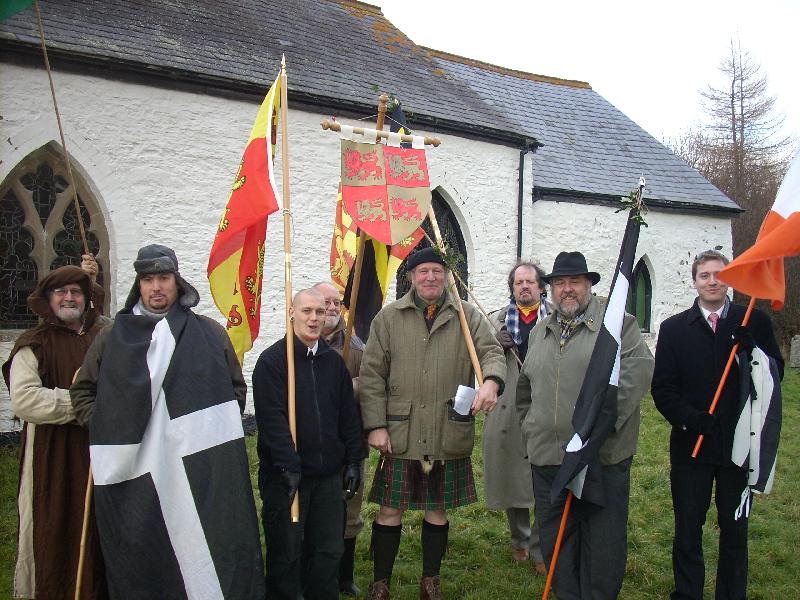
[524, 534]
[594, 551]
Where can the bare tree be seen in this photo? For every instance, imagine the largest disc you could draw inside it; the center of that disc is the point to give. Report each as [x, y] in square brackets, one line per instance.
[742, 152]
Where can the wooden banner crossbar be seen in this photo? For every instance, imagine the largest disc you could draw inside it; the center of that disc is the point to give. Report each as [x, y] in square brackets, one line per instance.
[369, 133]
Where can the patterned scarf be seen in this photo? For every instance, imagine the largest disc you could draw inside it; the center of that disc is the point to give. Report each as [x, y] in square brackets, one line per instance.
[512, 319]
[568, 327]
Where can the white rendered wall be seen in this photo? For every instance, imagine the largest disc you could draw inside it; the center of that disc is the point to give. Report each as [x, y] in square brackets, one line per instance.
[669, 244]
[160, 163]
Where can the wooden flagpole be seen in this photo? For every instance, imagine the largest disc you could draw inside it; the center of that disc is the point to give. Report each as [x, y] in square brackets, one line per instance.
[87, 511]
[335, 126]
[473, 356]
[287, 274]
[362, 240]
[472, 296]
[81, 227]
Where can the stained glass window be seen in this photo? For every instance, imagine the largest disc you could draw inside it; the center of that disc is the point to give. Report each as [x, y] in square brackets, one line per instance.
[48, 238]
[18, 273]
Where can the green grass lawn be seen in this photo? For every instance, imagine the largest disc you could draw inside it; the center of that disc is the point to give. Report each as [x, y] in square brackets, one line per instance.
[479, 565]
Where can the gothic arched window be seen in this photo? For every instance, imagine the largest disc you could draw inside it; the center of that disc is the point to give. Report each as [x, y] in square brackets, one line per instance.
[640, 295]
[39, 231]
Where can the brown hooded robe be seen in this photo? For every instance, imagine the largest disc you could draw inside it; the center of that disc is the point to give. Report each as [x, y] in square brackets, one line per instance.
[54, 459]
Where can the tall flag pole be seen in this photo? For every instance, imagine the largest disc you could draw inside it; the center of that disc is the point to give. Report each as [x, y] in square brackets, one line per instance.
[236, 260]
[596, 407]
[287, 272]
[758, 271]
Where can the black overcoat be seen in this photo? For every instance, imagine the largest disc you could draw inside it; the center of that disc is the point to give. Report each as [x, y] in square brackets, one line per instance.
[690, 360]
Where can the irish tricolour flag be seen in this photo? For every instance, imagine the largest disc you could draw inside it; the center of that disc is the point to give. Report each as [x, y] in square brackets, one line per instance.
[758, 272]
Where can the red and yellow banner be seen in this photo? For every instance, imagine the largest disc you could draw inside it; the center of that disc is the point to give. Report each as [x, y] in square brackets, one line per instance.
[344, 246]
[386, 190]
[236, 260]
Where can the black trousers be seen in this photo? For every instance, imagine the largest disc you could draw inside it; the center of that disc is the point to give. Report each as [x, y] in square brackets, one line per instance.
[691, 497]
[594, 551]
[303, 558]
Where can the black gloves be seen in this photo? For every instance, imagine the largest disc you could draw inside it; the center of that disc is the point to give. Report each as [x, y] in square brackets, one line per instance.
[701, 421]
[505, 339]
[352, 480]
[743, 337]
[292, 481]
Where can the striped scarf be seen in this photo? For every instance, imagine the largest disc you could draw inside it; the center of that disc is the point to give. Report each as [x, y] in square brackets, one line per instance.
[512, 318]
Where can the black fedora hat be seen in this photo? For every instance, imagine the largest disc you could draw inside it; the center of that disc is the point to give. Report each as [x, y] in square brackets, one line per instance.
[569, 264]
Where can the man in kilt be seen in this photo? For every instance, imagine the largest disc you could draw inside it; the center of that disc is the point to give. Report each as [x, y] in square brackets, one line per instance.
[414, 361]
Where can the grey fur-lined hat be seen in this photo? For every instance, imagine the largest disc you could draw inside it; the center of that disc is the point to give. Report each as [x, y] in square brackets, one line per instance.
[156, 258]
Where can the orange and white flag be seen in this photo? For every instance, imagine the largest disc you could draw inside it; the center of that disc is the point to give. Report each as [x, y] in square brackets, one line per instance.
[236, 260]
[758, 271]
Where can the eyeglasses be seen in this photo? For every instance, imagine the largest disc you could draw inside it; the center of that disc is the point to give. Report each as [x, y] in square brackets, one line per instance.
[336, 303]
[61, 292]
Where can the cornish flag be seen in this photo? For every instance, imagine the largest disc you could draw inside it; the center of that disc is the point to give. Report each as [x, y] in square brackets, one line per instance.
[173, 497]
[758, 430]
[596, 407]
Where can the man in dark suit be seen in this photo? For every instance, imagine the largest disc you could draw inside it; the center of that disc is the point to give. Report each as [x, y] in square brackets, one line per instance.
[691, 353]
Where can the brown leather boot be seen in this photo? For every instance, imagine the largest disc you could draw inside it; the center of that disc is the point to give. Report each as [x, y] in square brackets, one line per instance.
[378, 590]
[430, 588]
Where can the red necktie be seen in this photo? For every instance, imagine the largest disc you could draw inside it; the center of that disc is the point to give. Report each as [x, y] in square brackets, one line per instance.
[713, 318]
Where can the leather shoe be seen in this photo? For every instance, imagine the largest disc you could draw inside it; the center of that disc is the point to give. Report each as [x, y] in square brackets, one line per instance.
[378, 590]
[541, 568]
[520, 554]
[430, 588]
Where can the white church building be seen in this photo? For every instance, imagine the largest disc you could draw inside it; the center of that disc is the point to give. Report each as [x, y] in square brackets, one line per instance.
[157, 101]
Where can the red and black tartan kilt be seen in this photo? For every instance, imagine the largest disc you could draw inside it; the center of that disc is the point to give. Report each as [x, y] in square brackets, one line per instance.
[400, 483]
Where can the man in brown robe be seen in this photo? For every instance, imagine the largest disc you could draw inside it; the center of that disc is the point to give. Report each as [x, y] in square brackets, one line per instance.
[54, 456]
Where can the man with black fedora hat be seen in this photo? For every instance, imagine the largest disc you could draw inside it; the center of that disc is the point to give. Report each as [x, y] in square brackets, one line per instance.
[591, 562]
[161, 392]
[413, 365]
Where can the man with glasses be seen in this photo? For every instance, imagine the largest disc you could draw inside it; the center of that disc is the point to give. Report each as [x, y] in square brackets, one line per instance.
[54, 452]
[333, 332]
[414, 363]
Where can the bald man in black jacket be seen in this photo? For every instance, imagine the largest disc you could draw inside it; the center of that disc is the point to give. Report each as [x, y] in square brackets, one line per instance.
[303, 558]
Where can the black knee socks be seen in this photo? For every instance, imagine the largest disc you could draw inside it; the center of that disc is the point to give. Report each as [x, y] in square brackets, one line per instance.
[434, 546]
[384, 545]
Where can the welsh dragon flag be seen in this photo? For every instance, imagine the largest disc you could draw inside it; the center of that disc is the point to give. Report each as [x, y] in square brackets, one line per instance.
[236, 260]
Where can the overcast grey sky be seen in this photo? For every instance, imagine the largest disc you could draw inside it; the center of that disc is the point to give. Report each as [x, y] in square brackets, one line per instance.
[649, 59]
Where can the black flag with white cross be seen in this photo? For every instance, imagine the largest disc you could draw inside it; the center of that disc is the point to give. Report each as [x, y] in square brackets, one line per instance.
[173, 497]
[595, 411]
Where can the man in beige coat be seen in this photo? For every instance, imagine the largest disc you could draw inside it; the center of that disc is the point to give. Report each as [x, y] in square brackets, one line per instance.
[591, 563]
[413, 364]
[506, 471]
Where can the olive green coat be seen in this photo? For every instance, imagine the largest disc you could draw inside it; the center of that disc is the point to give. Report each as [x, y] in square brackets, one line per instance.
[506, 471]
[551, 379]
[409, 378]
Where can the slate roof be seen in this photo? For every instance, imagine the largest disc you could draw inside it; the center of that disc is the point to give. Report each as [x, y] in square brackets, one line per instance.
[337, 50]
[589, 146]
